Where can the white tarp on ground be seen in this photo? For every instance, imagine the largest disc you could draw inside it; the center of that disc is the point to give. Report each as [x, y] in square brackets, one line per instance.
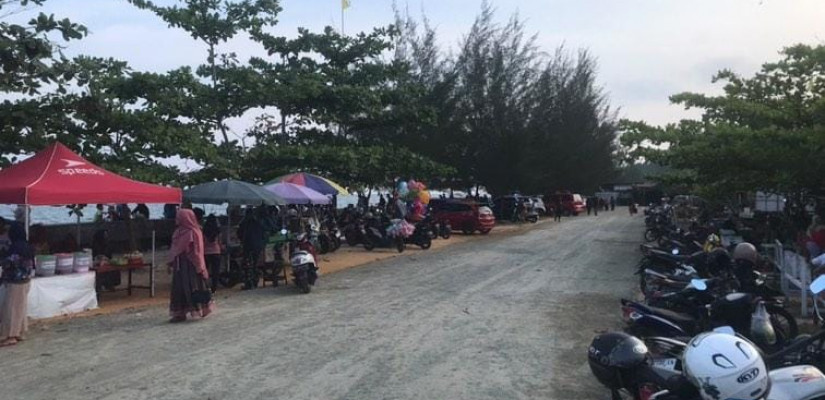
[60, 295]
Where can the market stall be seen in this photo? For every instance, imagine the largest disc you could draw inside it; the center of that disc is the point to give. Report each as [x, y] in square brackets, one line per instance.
[233, 193]
[60, 295]
[59, 176]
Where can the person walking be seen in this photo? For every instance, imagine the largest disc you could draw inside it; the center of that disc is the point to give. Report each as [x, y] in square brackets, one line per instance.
[595, 201]
[16, 278]
[589, 205]
[612, 203]
[190, 287]
[212, 249]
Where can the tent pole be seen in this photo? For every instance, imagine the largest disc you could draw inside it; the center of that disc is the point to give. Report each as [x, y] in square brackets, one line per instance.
[152, 268]
[27, 222]
[228, 230]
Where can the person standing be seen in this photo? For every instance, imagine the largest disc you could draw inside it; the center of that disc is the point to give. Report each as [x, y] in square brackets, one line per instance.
[16, 277]
[612, 203]
[589, 204]
[253, 239]
[141, 211]
[595, 201]
[212, 249]
[190, 287]
[382, 203]
[557, 211]
[99, 213]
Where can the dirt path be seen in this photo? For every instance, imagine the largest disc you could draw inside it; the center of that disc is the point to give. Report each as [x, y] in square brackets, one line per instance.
[492, 318]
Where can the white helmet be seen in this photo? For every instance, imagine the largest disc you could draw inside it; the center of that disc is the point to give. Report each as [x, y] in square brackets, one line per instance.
[724, 366]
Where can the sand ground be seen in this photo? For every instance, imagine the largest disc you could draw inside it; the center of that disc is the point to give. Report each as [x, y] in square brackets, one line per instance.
[506, 316]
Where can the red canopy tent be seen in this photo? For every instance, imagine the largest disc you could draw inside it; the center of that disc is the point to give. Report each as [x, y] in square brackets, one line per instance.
[57, 176]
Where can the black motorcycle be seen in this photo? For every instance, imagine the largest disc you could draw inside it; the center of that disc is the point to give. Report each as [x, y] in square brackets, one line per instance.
[439, 227]
[421, 236]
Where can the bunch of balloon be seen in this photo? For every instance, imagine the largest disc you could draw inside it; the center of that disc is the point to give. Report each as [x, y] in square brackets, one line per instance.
[417, 198]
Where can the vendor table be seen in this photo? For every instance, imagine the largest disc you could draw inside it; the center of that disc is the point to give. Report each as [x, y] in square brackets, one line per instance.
[129, 268]
[60, 295]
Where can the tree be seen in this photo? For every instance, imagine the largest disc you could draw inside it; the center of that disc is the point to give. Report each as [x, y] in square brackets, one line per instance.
[764, 133]
[502, 113]
[214, 22]
[30, 60]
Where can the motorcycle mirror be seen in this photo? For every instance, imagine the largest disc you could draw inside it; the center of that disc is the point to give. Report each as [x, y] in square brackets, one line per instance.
[699, 284]
[725, 329]
[283, 231]
[818, 285]
[675, 252]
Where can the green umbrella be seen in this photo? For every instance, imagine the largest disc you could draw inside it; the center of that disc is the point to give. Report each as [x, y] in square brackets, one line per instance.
[232, 192]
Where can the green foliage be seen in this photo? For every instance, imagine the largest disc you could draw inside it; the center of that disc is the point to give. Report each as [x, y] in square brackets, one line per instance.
[765, 133]
[362, 109]
[505, 115]
[354, 166]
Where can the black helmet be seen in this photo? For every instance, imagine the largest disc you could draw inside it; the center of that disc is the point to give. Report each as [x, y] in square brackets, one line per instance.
[612, 354]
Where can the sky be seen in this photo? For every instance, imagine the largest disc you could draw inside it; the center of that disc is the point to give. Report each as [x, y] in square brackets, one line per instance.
[647, 49]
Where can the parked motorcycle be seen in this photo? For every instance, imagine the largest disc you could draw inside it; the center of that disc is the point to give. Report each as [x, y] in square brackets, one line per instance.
[304, 269]
[712, 365]
[764, 321]
[421, 236]
[375, 235]
[439, 227]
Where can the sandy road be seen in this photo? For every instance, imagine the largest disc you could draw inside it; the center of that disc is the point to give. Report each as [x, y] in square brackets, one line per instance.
[494, 318]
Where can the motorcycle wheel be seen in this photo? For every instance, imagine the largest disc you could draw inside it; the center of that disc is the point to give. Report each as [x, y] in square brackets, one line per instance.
[651, 235]
[351, 239]
[445, 234]
[400, 245]
[784, 324]
[368, 244]
[303, 285]
[468, 231]
[336, 244]
[426, 243]
[228, 280]
[324, 244]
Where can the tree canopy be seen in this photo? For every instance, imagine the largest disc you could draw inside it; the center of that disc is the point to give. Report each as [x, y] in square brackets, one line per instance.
[765, 132]
[363, 109]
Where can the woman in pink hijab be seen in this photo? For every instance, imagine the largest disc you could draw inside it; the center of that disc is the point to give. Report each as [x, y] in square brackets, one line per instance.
[190, 279]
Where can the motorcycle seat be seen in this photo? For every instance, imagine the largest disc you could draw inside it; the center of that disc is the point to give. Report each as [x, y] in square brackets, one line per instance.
[686, 321]
[674, 257]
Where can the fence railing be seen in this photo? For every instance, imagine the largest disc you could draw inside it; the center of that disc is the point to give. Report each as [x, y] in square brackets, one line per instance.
[794, 273]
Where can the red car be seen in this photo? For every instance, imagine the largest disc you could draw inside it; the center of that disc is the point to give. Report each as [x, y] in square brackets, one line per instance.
[465, 215]
[571, 204]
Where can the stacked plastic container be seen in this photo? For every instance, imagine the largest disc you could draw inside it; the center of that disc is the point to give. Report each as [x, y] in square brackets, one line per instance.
[82, 261]
[65, 263]
[45, 265]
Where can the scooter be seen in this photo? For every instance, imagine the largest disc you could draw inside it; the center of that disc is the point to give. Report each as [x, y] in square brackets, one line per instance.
[378, 237]
[304, 267]
[421, 236]
[761, 320]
